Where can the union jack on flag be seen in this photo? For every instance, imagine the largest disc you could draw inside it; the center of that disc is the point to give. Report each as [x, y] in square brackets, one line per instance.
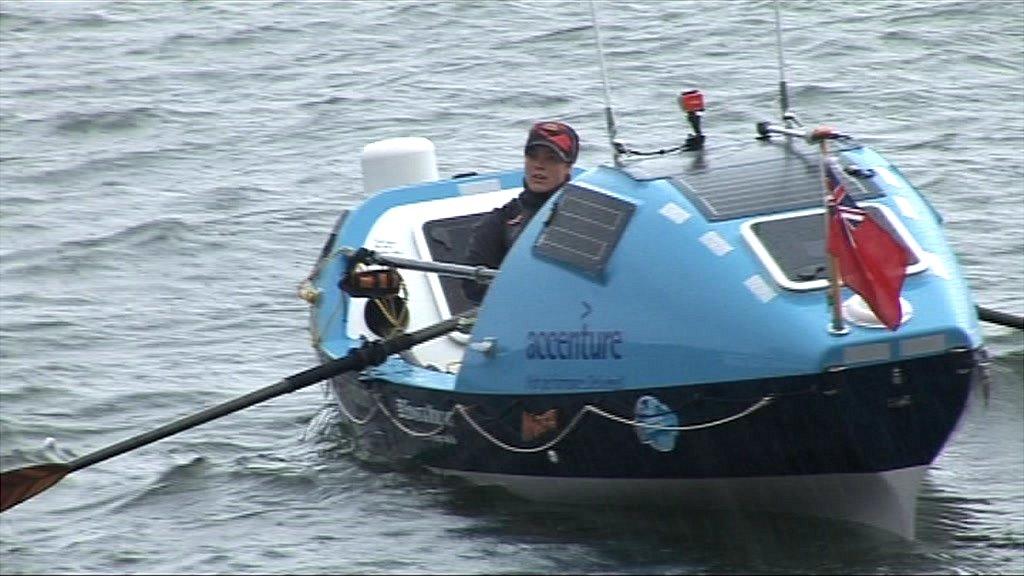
[871, 261]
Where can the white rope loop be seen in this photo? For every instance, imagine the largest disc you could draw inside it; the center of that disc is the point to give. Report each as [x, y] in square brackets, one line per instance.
[369, 415]
[636, 423]
[441, 427]
[463, 411]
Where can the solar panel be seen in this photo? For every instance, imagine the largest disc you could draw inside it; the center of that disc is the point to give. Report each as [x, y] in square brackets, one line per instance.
[780, 184]
[584, 227]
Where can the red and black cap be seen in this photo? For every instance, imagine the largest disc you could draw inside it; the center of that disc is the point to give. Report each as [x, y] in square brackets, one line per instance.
[558, 136]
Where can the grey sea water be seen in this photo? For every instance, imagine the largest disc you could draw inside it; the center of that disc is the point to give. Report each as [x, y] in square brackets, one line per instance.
[169, 171]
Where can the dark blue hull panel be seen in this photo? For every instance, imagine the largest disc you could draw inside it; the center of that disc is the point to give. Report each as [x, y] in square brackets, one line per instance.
[860, 420]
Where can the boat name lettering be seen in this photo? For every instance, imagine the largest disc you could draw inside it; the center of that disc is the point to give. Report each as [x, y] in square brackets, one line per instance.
[581, 344]
[426, 414]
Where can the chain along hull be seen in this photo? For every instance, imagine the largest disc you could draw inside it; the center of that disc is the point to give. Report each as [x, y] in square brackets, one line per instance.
[851, 444]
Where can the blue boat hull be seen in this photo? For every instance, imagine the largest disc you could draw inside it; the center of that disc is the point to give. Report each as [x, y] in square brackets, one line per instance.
[660, 332]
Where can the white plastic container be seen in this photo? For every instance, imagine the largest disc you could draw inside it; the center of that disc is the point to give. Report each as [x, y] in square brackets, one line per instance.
[397, 162]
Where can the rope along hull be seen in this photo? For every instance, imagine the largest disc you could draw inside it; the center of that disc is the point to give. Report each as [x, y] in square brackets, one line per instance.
[851, 428]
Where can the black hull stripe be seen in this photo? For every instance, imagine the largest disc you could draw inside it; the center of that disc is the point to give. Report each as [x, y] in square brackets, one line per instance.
[861, 420]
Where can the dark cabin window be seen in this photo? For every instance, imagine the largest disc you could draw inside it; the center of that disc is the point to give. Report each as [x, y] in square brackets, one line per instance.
[448, 241]
[796, 244]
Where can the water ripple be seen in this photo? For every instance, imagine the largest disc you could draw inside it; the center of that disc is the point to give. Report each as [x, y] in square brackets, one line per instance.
[170, 170]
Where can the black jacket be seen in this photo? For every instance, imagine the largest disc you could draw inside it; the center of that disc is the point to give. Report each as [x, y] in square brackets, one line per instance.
[495, 233]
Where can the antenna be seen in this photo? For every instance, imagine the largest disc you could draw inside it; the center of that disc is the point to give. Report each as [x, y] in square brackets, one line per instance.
[608, 116]
[787, 117]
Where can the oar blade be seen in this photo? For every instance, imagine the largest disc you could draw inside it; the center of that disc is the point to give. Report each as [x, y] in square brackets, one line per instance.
[19, 485]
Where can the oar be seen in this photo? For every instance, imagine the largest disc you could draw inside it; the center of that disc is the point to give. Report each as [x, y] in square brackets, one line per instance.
[481, 274]
[1001, 318]
[19, 485]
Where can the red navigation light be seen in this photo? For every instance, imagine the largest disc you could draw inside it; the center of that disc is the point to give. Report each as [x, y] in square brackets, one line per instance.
[691, 101]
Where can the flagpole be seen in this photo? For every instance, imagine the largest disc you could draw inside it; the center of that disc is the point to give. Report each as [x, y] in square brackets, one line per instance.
[836, 327]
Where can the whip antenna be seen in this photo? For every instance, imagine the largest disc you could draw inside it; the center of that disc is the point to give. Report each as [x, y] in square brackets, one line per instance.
[783, 95]
[608, 116]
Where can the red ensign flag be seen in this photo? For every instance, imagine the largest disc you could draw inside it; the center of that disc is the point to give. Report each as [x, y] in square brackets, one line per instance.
[871, 262]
